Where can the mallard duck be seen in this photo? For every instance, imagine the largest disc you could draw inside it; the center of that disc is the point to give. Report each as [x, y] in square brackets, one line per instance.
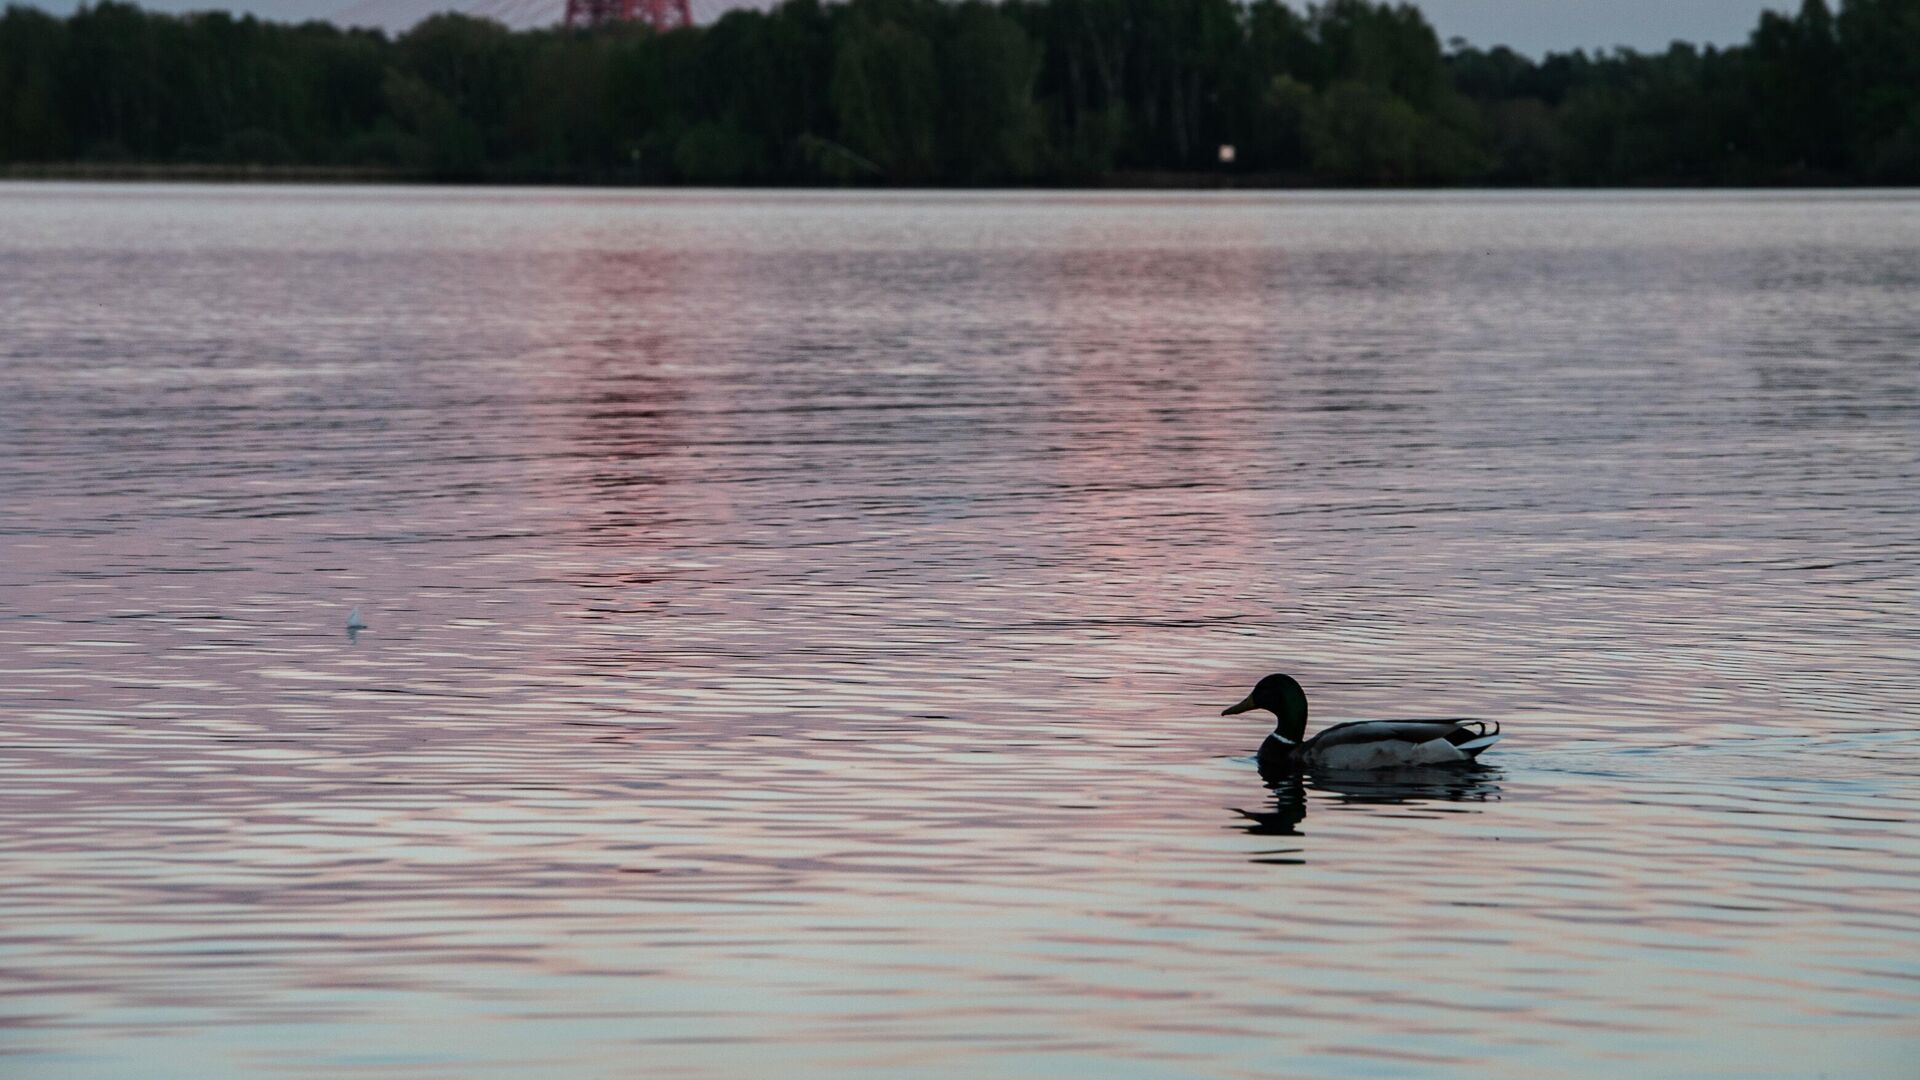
[1365, 744]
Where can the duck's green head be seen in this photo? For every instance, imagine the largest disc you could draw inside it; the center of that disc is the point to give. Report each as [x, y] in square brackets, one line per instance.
[1281, 696]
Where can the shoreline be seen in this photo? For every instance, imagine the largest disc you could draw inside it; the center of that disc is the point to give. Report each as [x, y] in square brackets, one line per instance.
[1132, 180]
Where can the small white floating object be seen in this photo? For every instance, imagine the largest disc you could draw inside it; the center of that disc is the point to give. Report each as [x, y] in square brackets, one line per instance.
[354, 622]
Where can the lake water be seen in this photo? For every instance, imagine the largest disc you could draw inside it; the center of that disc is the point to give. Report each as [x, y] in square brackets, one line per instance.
[798, 625]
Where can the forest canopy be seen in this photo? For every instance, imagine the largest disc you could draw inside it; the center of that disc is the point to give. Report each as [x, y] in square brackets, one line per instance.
[937, 92]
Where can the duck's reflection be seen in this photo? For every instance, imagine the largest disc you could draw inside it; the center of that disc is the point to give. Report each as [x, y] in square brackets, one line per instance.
[1384, 787]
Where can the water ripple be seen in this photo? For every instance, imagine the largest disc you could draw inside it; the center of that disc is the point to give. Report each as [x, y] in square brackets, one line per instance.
[797, 628]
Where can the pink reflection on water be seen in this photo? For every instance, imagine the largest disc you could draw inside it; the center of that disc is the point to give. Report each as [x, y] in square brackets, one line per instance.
[797, 629]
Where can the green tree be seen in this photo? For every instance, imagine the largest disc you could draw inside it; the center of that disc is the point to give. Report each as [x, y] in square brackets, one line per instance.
[31, 45]
[1880, 55]
[1361, 133]
[971, 91]
[442, 140]
[994, 128]
[886, 98]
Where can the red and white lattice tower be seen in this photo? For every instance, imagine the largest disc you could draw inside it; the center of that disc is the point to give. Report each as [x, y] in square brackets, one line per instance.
[659, 14]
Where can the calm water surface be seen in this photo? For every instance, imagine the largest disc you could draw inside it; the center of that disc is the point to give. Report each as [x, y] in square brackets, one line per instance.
[798, 625]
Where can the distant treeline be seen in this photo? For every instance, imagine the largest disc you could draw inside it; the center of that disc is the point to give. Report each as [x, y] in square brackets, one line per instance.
[933, 92]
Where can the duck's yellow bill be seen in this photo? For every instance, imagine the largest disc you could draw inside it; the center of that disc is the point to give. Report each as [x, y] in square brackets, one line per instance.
[1244, 705]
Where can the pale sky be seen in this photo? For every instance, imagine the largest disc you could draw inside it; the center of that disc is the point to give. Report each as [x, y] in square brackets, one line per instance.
[1537, 26]
[1532, 26]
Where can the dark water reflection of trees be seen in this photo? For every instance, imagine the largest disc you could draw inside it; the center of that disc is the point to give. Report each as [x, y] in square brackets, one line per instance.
[1326, 789]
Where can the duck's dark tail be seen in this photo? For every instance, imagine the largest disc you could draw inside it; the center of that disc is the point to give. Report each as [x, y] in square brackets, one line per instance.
[1473, 736]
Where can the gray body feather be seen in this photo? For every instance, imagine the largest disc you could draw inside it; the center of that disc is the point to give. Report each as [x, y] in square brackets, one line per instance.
[1385, 744]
